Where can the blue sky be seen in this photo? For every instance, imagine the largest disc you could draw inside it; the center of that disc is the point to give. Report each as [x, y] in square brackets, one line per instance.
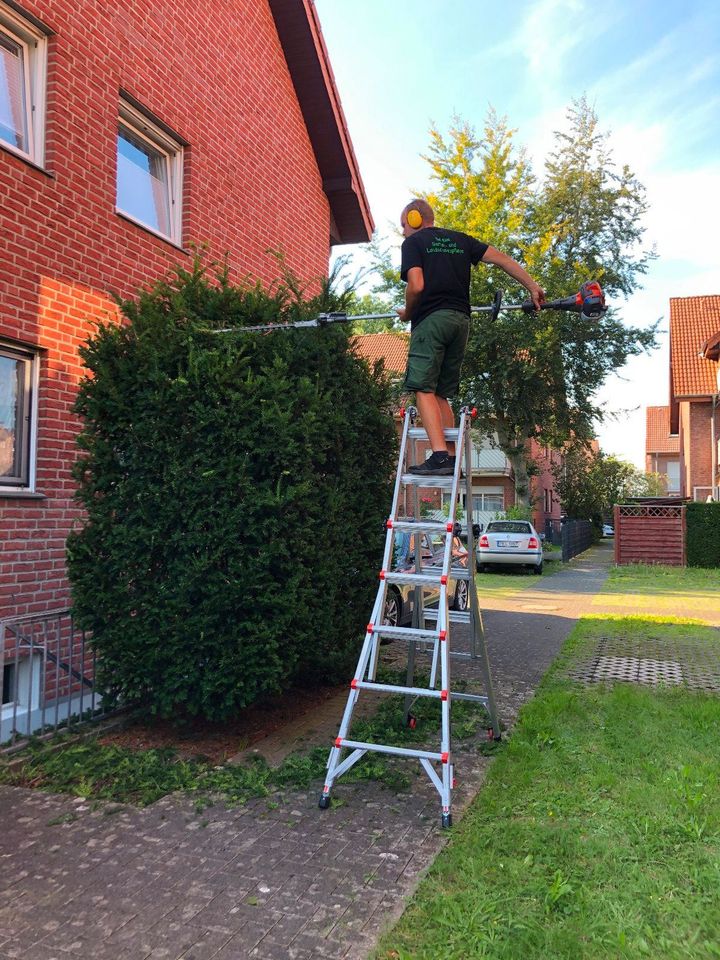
[652, 72]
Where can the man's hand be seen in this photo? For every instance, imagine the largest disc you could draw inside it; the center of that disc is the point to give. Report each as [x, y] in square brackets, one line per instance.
[400, 311]
[537, 294]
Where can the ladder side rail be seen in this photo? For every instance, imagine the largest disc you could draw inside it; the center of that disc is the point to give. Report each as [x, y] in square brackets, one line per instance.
[447, 555]
[390, 538]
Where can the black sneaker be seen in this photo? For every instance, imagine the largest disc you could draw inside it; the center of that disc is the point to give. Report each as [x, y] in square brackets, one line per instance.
[436, 465]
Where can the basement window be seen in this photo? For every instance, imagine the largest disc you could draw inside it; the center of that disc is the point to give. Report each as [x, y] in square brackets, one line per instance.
[149, 173]
[23, 73]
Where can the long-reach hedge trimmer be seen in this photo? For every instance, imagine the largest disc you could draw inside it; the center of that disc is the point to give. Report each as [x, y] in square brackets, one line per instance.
[589, 302]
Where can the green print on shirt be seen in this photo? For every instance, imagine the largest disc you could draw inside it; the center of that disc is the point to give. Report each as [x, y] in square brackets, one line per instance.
[443, 245]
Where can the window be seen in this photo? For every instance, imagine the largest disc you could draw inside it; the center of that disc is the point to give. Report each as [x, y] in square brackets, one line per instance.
[18, 405]
[23, 69]
[149, 173]
[488, 501]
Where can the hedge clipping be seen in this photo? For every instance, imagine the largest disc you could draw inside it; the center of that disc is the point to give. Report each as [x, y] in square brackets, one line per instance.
[235, 488]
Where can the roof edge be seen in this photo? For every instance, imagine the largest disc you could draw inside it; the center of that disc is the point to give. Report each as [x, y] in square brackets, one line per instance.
[308, 61]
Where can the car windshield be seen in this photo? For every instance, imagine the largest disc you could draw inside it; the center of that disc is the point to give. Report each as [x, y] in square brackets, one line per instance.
[508, 526]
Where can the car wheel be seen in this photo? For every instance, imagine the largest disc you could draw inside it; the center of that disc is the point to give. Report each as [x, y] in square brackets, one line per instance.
[460, 600]
[537, 569]
[391, 615]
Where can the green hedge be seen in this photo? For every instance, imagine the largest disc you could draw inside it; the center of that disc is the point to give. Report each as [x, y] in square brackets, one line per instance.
[235, 487]
[703, 534]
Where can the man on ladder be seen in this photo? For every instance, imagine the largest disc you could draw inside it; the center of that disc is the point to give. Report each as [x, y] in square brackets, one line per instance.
[435, 264]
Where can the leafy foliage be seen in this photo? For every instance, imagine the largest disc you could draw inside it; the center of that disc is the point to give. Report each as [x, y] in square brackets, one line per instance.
[703, 534]
[589, 483]
[232, 483]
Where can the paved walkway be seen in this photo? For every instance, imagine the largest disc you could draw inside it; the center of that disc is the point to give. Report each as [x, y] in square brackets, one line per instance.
[279, 883]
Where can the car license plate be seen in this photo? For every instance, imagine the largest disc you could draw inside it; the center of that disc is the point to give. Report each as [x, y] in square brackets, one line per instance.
[508, 543]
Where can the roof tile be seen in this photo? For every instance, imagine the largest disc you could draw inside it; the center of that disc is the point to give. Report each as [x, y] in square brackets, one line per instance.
[693, 320]
[390, 347]
[657, 432]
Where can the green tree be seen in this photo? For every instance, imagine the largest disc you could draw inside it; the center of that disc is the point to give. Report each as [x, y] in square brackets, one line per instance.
[589, 484]
[537, 375]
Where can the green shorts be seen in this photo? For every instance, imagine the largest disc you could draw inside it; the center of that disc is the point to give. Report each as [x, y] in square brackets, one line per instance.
[437, 348]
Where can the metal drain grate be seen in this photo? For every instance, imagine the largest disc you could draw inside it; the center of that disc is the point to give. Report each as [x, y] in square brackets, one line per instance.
[650, 661]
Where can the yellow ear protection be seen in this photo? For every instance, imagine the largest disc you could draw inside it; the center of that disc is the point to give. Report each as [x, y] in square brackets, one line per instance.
[414, 219]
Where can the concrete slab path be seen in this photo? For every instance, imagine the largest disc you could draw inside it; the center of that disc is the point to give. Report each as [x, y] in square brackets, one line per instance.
[282, 882]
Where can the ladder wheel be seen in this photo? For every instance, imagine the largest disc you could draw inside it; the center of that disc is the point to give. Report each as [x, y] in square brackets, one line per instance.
[446, 821]
[324, 801]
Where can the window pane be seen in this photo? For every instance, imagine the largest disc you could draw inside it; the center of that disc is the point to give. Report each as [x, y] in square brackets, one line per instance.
[13, 109]
[494, 501]
[143, 190]
[10, 371]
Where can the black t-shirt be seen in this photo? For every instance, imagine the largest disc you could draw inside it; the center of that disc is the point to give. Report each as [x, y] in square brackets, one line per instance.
[446, 257]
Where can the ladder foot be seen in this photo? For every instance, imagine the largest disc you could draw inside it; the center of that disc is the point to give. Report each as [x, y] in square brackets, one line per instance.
[446, 821]
[324, 801]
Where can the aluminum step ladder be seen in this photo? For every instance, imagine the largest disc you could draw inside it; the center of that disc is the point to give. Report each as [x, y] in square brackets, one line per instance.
[431, 626]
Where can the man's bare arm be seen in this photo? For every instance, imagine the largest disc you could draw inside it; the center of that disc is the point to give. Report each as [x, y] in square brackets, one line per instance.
[413, 292]
[514, 270]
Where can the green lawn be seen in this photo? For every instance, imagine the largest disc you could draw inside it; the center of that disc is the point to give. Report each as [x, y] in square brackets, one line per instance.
[597, 834]
[661, 589]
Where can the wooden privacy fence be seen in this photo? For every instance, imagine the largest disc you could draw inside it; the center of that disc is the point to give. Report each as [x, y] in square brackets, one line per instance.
[650, 534]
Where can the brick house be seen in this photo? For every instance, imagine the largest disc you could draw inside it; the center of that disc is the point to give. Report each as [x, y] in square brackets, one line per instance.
[662, 448]
[492, 475]
[694, 393]
[129, 133]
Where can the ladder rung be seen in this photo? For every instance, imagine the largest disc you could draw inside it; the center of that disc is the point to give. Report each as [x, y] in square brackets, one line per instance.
[417, 433]
[414, 480]
[431, 526]
[455, 616]
[397, 751]
[407, 633]
[417, 578]
[394, 688]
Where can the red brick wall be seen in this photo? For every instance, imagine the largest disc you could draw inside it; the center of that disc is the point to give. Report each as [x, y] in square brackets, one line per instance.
[544, 480]
[699, 445]
[215, 73]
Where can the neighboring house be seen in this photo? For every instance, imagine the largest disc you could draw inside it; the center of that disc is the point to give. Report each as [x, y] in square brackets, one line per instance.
[662, 448]
[493, 482]
[694, 392]
[129, 133]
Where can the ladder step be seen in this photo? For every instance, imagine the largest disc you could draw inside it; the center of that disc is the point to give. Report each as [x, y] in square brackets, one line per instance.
[455, 616]
[430, 526]
[414, 480]
[396, 688]
[397, 751]
[417, 433]
[416, 578]
[407, 633]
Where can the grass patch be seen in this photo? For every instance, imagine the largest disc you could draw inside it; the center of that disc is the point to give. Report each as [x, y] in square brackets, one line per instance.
[662, 589]
[96, 771]
[597, 834]
[646, 578]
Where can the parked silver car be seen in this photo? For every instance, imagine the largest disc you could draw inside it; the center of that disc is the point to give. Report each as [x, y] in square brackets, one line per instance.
[399, 600]
[510, 543]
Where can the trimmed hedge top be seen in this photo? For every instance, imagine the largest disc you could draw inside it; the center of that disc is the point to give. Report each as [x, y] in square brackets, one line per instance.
[235, 488]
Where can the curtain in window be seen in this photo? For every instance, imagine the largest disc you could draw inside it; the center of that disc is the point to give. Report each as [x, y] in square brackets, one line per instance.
[8, 416]
[12, 94]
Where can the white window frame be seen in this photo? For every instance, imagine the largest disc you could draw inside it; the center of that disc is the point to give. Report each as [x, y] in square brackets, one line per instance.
[31, 358]
[140, 125]
[35, 45]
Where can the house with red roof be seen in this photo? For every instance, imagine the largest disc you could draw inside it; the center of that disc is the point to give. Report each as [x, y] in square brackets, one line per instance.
[695, 393]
